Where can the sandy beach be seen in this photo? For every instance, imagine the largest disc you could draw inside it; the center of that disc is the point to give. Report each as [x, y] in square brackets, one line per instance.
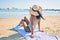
[51, 24]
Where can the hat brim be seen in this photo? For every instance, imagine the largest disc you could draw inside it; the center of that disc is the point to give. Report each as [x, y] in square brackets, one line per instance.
[35, 13]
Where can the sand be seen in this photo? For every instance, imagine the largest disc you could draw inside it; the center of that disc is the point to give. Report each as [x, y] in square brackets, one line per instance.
[51, 24]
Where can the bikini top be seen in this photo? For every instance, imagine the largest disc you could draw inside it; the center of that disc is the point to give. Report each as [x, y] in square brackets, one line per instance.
[40, 15]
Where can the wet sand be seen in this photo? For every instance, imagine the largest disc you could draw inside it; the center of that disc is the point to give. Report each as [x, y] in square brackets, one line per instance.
[51, 24]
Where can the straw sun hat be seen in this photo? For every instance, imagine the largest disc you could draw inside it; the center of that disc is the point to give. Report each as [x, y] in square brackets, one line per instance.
[35, 7]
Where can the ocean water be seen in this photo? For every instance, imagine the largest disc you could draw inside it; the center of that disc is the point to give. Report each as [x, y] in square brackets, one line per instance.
[22, 13]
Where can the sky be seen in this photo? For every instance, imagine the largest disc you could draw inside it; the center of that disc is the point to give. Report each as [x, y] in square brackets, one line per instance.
[26, 4]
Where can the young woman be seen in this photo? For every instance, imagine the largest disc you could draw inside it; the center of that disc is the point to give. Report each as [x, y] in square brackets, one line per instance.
[35, 18]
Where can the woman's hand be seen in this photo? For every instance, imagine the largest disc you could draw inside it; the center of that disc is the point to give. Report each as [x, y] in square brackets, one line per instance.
[32, 36]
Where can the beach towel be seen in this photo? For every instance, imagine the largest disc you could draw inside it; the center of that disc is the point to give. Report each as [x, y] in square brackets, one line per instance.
[37, 35]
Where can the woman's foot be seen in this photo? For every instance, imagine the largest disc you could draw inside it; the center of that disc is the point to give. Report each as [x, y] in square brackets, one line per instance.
[32, 36]
[27, 29]
[41, 30]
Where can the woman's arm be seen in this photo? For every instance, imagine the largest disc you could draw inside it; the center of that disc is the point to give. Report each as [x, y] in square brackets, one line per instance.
[32, 26]
[39, 24]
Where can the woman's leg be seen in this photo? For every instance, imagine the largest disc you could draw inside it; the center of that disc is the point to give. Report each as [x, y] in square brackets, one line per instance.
[26, 27]
[21, 22]
[26, 20]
